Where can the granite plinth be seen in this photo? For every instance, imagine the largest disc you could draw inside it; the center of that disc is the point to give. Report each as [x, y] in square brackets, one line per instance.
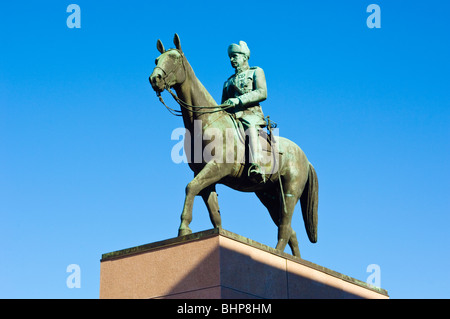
[221, 265]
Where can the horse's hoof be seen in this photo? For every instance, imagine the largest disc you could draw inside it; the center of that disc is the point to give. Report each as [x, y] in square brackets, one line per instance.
[296, 253]
[183, 232]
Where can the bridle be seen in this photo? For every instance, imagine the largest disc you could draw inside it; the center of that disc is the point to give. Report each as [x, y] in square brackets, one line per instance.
[175, 66]
[183, 104]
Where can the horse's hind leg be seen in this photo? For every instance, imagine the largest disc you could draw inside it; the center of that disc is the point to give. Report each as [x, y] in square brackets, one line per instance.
[271, 199]
[209, 196]
[285, 232]
[292, 189]
[293, 244]
[210, 174]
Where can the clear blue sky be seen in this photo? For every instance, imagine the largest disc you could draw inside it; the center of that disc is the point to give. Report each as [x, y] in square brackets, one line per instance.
[85, 164]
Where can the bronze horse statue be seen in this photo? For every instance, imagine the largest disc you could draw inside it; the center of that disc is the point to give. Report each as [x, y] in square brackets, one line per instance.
[294, 178]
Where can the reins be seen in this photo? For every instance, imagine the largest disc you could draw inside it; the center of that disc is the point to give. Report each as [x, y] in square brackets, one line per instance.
[191, 108]
[183, 104]
[171, 110]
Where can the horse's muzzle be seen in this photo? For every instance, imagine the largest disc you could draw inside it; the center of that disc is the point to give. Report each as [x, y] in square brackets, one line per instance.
[156, 80]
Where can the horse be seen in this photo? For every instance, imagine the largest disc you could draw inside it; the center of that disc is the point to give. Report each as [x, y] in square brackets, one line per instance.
[294, 177]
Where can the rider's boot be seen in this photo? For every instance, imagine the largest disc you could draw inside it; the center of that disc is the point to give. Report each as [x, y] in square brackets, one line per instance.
[255, 172]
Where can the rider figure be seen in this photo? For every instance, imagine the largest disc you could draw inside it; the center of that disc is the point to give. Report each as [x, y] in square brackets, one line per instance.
[244, 90]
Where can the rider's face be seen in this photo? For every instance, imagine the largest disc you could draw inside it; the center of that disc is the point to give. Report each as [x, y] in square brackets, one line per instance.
[237, 60]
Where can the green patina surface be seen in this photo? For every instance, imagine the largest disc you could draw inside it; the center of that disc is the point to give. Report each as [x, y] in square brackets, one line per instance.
[273, 178]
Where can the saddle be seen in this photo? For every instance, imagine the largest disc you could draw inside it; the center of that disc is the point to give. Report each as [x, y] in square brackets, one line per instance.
[270, 148]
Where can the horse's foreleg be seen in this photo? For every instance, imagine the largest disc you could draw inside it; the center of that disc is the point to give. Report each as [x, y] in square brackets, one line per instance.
[210, 174]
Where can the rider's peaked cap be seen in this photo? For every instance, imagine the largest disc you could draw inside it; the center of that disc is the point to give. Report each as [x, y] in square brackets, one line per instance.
[239, 48]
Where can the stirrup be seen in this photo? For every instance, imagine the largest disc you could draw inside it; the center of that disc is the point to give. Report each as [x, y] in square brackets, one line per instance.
[254, 173]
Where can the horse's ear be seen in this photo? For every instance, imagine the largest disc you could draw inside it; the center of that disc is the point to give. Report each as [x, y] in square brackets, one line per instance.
[176, 41]
[160, 46]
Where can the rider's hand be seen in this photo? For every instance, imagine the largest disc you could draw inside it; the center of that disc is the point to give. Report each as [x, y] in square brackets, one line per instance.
[232, 102]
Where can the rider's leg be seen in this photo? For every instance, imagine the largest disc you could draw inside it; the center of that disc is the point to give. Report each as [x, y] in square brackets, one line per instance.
[255, 156]
[254, 145]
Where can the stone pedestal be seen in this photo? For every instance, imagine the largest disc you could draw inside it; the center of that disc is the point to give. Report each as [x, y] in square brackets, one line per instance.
[221, 265]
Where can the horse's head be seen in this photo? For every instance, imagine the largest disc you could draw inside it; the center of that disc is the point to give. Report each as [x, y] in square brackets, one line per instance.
[169, 70]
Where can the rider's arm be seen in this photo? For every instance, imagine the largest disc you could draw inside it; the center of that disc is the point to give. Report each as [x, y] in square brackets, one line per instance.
[259, 92]
[224, 94]
[226, 99]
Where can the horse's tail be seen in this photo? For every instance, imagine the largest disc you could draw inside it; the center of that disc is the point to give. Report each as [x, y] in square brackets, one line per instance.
[309, 201]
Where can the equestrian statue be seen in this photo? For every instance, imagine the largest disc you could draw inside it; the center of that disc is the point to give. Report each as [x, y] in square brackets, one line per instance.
[251, 159]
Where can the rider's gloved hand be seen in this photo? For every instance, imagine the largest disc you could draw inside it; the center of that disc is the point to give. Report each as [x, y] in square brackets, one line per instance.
[232, 101]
